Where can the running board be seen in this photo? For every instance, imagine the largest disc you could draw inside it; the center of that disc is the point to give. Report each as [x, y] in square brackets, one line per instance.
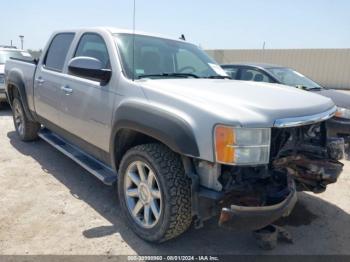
[91, 164]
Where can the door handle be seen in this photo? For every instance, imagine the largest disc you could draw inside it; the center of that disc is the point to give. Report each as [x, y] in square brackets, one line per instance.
[67, 90]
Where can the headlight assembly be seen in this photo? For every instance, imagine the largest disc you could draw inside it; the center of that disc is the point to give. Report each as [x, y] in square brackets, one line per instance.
[343, 113]
[242, 146]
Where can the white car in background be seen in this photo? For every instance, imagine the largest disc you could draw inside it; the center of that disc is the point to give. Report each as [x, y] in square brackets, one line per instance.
[5, 54]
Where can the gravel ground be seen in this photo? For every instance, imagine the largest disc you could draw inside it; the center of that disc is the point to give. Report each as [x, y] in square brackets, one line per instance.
[50, 205]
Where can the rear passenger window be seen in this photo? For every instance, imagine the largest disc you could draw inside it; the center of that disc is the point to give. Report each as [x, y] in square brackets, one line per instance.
[92, 45]
[57, 53]
[231, 71]
[254, 75]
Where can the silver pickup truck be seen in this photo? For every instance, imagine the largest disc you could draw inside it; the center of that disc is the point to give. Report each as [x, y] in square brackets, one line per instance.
[158, 118]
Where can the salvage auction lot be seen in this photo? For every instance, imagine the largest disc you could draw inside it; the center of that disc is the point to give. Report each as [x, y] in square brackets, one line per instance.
[50, 205]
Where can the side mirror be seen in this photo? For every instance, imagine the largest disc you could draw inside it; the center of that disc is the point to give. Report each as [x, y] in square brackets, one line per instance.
[89, 67]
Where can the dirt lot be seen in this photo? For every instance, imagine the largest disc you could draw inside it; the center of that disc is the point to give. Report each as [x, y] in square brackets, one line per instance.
[50, 205]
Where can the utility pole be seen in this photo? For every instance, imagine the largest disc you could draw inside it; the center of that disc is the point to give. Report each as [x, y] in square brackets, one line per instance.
[11, 43]
[263, 46]
[22, 40]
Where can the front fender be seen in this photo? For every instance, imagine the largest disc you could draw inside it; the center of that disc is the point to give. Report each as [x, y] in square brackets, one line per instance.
[164, 126]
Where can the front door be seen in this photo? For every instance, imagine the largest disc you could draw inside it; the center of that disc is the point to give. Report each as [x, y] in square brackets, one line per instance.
[86, 105]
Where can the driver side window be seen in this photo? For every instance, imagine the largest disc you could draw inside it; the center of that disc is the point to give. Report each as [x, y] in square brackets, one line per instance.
[92, 45]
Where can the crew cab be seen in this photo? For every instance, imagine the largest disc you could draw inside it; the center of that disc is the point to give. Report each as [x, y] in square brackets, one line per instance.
[5, 54]
[159, 119]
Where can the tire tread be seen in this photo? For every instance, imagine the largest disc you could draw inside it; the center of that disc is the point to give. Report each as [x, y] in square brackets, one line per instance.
[178, 186]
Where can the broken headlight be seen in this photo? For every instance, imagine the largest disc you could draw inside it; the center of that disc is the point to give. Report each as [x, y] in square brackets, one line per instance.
[343, 113]
[242, 146]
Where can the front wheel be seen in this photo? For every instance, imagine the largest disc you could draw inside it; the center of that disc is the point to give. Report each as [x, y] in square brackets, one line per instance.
[154, 192]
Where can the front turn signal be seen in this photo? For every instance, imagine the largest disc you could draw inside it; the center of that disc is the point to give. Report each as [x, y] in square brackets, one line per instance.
[224, 141]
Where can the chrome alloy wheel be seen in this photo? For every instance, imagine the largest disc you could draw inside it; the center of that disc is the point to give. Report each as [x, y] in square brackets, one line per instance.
[19, 118]
[142, 194]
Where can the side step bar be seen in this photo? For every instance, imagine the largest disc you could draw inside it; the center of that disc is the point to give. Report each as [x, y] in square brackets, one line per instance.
[91, 164]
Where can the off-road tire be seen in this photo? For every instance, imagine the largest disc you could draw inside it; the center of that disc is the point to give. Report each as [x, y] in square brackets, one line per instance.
[29, 129]
[175, 189]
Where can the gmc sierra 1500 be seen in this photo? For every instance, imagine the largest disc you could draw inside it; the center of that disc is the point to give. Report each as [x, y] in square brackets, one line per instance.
[158, 118]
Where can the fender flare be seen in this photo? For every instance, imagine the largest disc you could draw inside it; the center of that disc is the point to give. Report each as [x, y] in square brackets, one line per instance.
[16, 80]
[164, 126]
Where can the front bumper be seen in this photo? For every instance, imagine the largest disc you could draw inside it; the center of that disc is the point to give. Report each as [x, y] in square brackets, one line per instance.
[339, 127]
[237, 217]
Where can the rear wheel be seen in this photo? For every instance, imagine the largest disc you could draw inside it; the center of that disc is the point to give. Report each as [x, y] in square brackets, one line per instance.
[154, 192]
[26, 130]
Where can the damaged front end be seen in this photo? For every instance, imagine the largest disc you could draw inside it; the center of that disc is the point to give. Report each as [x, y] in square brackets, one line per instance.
[308, 155]
[302, 158]
[259, 203]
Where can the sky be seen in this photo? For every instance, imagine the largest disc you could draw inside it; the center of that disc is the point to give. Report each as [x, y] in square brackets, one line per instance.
[220, 24]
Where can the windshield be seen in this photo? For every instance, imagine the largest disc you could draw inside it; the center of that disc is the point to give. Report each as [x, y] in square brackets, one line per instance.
[5, 55]
[158, 57]
[290, 77]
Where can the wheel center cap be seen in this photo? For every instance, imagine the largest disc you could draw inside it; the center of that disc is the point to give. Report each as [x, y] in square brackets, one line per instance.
[144, 193]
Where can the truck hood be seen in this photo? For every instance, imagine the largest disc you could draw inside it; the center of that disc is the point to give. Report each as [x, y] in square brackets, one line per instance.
[238, 102]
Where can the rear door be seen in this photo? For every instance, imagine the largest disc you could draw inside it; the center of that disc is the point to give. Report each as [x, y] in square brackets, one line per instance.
[48, 78]
[87, 105]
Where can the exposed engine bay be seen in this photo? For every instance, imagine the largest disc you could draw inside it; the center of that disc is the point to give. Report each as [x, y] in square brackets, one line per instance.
[301, 159]
[307, 155]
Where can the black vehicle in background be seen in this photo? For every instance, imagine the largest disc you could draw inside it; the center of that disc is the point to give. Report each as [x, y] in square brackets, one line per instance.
[338, 125]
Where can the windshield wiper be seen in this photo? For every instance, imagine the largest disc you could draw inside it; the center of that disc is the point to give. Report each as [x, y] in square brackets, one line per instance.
[315, 88]
[169, 75]
[219, 77]
[308, 88]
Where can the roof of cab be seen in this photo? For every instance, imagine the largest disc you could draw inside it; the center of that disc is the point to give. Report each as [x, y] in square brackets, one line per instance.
[114, 30]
